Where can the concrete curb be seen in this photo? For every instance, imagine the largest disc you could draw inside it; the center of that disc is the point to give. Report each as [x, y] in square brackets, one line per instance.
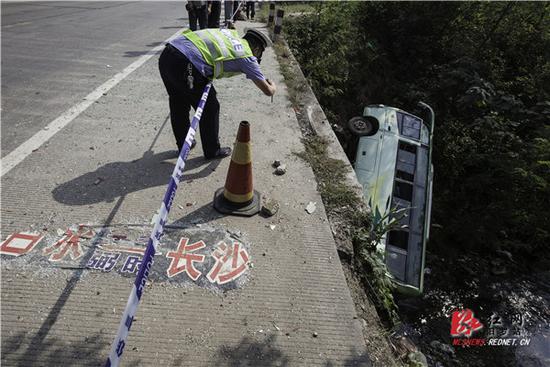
[315, 116]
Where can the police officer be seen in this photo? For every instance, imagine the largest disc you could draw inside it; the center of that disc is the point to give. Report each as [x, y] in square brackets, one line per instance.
[193, 59]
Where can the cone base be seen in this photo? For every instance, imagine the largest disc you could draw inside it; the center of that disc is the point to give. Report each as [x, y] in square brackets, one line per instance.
[224, 206]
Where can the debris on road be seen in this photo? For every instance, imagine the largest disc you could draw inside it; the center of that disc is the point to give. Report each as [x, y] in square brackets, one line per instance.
[281, 170]
[310, 208]
[270, 208]
[276, 163]
[235, 234]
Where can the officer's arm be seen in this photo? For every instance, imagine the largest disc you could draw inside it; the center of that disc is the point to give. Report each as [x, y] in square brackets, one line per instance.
[266, 86]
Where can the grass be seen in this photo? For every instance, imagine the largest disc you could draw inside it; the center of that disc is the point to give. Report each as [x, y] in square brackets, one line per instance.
[342, 203]
[354, 221]
[290, 7]
[331, 174]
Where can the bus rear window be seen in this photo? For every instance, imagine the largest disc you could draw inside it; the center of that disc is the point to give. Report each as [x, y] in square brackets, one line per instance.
[409, 126]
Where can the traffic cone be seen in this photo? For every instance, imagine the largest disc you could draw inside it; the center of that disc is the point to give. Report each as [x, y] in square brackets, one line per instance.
[238, 196]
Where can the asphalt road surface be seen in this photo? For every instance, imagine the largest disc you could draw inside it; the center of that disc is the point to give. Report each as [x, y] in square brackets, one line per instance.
[83, 78]
[55, 53]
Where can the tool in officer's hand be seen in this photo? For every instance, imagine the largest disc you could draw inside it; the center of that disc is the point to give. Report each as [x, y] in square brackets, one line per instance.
[269, 82]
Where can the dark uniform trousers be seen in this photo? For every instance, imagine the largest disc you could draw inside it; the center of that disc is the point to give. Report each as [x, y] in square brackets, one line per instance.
[173, 67]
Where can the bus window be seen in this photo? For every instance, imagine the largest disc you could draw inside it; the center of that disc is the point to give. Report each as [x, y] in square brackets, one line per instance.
[409, 126]
[403, 190]
[406, 157]
[399, 239]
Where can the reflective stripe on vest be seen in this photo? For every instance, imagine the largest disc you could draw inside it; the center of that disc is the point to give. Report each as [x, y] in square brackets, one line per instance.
[217, 46]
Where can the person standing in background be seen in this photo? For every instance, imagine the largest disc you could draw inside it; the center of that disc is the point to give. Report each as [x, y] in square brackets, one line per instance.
[197, 10]
[214, 12]
[250, 9]
[228, 10]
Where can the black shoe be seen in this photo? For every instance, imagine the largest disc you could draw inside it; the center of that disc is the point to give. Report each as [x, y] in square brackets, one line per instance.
[221, 153]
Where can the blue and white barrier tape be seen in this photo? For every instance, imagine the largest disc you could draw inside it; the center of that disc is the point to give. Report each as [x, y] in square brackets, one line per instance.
[147, 262]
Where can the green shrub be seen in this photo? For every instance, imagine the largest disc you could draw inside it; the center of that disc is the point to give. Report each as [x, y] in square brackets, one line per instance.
[484, 68]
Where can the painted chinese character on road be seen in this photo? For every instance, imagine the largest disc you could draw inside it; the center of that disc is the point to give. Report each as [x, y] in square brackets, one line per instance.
[69, 244]
[231, 263]
[104, 262]
[20, 243]
[132, 264]
[211, 258]
[183, 259]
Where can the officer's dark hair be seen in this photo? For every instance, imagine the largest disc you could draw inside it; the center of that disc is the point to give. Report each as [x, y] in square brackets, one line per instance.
[254, 41]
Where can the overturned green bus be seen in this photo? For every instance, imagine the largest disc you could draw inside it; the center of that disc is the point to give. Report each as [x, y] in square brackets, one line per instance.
[394, 165]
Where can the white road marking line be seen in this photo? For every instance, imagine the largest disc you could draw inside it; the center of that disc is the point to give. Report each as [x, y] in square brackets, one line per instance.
[15, 25]
[21, 152]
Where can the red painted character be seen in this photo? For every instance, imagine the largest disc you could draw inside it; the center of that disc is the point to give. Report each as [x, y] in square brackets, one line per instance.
[184, 253]
[231, 263]
[69, 244]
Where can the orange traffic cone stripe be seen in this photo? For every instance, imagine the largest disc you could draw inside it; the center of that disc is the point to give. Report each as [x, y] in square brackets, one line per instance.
[238, 184]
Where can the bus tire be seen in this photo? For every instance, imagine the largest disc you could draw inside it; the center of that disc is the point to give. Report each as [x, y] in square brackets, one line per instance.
[363, 125]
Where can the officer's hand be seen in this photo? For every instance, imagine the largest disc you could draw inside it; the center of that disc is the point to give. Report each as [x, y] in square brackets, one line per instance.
[272, 87]
[266, 86]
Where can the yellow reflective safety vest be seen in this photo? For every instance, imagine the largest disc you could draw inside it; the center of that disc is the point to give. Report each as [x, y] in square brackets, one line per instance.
[217, 46]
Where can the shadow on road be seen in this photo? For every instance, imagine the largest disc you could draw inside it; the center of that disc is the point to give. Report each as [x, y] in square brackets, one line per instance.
[155, 44]
[137, 53]
[202, 215]
[55, 352]
[355, 360]
[251, 353]
[117, 179]
[150, 45]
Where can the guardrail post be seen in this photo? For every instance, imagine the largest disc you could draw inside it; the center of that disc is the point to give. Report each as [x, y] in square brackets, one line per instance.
[278, 24]
[271, 14]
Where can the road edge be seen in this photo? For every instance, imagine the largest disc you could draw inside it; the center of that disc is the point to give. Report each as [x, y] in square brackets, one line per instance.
[313, 121]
